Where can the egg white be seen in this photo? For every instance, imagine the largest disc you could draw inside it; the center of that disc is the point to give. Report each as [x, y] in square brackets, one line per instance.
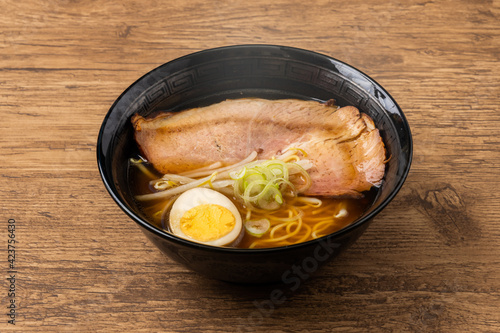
[200, 196]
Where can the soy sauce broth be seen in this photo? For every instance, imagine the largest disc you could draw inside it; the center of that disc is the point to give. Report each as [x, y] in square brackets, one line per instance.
[154, 211]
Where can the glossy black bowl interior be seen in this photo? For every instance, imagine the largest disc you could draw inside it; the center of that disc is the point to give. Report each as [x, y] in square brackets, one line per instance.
[265, 71]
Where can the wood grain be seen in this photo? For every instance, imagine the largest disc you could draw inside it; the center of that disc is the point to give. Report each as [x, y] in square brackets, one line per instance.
[429, 262]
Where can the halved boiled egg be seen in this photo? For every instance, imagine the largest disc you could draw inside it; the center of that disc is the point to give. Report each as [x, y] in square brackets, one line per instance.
[206, 216]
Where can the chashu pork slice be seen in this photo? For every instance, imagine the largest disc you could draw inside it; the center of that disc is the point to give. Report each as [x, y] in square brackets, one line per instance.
[346, 150]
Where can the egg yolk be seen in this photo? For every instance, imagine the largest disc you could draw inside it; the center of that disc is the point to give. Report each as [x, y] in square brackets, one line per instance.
[207, 222]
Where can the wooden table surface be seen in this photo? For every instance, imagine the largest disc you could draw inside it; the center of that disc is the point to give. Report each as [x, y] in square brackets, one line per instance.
[430, 262]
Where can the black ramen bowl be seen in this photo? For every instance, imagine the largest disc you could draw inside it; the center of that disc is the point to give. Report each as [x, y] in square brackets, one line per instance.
[265, 71]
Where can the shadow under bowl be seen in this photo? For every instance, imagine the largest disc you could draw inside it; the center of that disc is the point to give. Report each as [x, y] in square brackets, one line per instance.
[265, 71]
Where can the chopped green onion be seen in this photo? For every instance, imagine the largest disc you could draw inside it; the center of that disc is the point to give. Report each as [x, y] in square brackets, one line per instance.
[238, 174]
[257, 228]
[261, 184]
